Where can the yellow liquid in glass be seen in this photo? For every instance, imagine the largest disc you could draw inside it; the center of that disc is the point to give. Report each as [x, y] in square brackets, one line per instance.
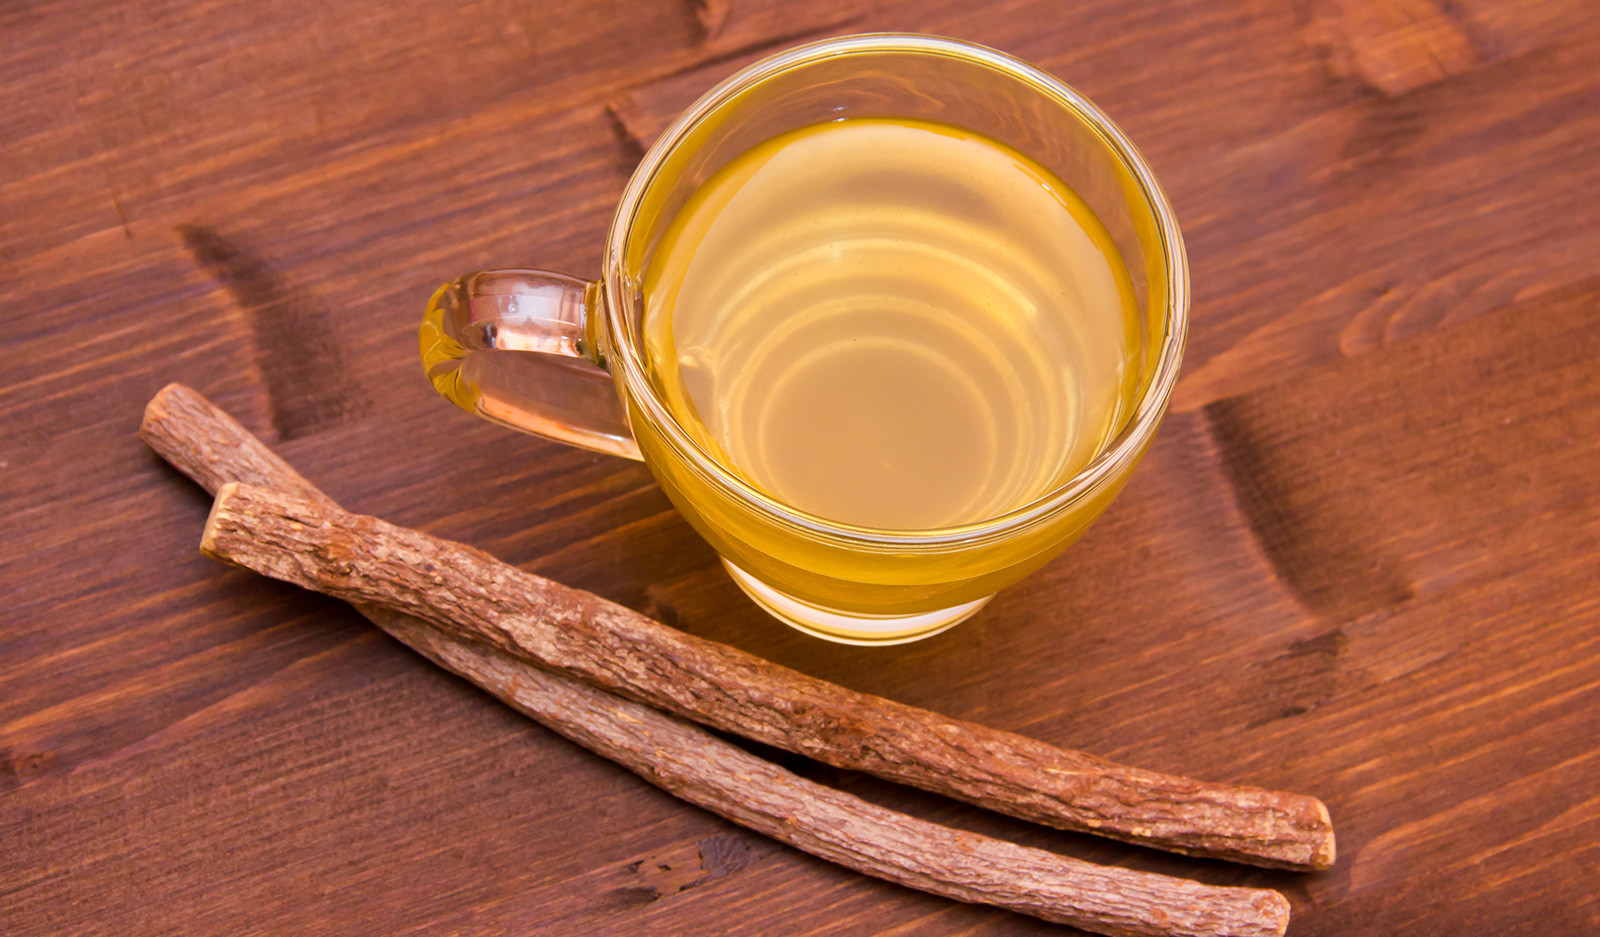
[892, 324]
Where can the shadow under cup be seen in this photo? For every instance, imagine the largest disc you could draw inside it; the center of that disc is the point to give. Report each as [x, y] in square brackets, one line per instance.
[863, 585]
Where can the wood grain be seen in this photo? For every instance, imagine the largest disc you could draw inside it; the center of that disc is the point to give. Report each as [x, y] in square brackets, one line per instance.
[1388, 292]
[1394, 47]
[734, 24]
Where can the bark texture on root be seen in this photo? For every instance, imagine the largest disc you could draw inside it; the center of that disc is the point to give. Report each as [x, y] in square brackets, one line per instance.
[315, 544]
[214, 450]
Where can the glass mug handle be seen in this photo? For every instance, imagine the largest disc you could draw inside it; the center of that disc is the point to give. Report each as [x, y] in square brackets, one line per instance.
[517, 347]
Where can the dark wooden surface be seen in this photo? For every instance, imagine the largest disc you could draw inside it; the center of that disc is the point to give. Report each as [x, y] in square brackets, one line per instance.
[1362, 559]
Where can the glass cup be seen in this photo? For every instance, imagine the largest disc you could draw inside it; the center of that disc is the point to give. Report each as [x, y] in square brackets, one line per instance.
[561, 357]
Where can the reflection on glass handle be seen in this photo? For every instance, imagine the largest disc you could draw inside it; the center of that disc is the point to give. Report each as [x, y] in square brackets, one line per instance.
[515, 347]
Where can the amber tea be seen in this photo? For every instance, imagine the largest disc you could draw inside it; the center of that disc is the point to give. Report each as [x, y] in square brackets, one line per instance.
[886, 364]
[892, 324]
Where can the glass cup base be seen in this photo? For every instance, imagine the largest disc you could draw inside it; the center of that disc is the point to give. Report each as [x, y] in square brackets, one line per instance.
[851, 627]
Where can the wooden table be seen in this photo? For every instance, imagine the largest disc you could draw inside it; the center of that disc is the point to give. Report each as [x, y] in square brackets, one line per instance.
[1361, 560]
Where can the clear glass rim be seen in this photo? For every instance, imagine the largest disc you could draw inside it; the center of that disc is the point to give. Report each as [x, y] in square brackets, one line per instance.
[1114, 459]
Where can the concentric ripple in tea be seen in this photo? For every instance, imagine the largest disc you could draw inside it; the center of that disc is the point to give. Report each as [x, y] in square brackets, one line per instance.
[892, 324]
